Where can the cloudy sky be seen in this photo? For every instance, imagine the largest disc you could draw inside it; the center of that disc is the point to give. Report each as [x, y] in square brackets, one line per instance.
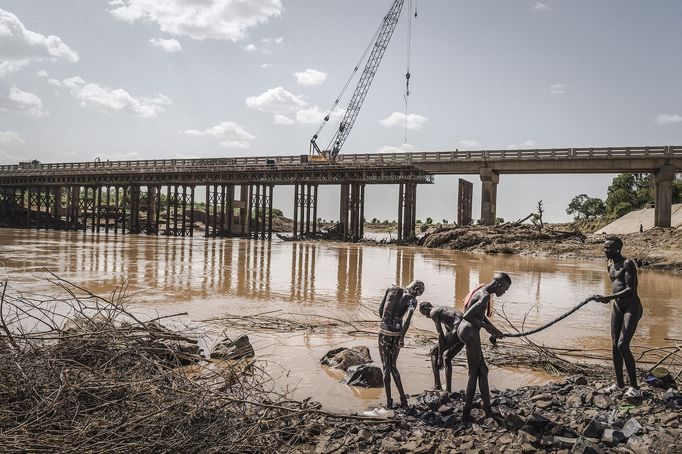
[144, 79]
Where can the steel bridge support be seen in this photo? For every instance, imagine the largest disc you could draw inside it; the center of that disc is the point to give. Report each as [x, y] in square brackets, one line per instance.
[219, 210]
[489, 181]
[151, 226]
[407, 211]
[352, 210]
[180, 199]
[305, 209]
[663, 179]
[260, 212]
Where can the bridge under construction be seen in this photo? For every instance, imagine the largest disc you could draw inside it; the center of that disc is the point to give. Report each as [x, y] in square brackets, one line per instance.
[160, 196]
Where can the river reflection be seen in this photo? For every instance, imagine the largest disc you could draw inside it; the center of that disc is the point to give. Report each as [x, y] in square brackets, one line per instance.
[208, 277]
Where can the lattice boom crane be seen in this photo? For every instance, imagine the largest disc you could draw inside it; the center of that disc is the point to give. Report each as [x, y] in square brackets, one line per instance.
[383, 36]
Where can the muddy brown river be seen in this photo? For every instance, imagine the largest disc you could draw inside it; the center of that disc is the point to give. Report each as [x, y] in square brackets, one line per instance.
[208, 278]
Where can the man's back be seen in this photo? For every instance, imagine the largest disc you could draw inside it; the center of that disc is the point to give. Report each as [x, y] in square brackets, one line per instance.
[396, 304]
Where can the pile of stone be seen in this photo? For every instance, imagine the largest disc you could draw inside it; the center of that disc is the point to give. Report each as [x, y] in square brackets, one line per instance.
[572, 415]
[356, 362]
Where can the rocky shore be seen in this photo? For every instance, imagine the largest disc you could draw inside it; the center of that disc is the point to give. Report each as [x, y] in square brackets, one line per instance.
[571, 415]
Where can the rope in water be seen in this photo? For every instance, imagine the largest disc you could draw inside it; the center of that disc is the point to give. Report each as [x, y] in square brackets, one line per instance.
[547, 325]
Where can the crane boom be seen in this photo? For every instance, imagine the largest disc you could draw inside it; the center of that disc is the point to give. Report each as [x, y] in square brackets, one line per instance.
[380, 44]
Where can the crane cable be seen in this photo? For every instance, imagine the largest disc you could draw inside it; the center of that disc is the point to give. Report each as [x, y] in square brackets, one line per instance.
[407, 73]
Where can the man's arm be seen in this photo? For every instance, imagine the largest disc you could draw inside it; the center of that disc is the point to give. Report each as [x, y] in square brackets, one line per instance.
[488, 326]
[410, 312]
[381, 306]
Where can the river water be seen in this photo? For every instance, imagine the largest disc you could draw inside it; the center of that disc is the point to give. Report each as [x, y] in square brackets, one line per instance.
[208, 278]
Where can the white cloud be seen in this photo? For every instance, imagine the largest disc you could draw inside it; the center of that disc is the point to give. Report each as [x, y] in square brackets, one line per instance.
[26, 102]
[558, 89]
[313, 114]
[227, 20]
[10, 137]
[404, 148]
[42, 73]
[277, 101]
[468, 144]
[399, 119]
[267, 65]
[539, 6]
[19, 46]
[229, 134]
[525, 144]
[168, 45]
[283, 120]
[310, 77]
[112, 99]
[250, 48]
[664, 119]
[284, 105]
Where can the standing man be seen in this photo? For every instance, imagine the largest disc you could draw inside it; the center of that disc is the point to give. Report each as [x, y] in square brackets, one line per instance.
[626, 313]
[474, 318]
[396, 303]
[448, 342]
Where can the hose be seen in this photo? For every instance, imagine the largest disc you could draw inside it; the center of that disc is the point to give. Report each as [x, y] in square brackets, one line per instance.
[547, 325]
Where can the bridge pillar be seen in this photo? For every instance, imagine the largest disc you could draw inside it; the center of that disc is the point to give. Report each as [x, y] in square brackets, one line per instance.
[260, 212]
[407, 210]
[134, 225]
[153, 210]
[343, 209]
[489, 181]
[664, 195]
[305, 209]
[57, 207]
[356, 212]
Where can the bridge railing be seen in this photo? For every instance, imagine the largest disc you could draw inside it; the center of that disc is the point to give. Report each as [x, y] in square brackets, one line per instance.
[366, 159]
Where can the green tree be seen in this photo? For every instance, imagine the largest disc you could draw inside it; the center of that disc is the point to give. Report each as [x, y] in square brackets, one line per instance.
[429, 221]
[445, 221]
[585, 207]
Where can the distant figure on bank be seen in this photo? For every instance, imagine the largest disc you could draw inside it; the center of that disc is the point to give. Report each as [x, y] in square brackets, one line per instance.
[475, 317]
[626, 313]
[396, 303]
[448, 342]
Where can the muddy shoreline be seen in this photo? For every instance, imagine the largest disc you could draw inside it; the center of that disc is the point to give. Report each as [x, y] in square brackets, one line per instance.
[657, 248]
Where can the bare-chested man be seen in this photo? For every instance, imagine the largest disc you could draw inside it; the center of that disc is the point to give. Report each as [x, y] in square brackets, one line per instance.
[448, 342]
[396, 303]
[626, 313]
[469, 332]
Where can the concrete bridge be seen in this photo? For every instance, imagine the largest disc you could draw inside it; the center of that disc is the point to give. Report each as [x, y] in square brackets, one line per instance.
[238, 191]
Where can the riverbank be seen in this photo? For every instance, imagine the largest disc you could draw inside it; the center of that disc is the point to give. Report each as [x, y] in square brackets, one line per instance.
[94, 377]
[655, 248]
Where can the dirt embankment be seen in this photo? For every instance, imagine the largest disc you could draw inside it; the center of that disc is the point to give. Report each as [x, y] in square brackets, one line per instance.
[655, 248]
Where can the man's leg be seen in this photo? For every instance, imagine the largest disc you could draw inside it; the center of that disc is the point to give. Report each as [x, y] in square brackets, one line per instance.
[435, 368]
[484, 387]
[454, 346]
[630, 321]
[394, 371]
[616, 327]
[386, 358]
[474, 356]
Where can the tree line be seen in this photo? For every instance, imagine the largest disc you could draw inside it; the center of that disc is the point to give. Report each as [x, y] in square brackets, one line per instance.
[627, 192]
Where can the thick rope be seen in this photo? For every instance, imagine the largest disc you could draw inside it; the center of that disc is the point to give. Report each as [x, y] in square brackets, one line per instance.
[547, 325]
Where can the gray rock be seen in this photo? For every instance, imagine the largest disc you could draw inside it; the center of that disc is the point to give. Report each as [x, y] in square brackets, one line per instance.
[632, 427]
[564, 442]
[612, 437]
[640, 444]
[390, 445]
[364, 376]
[601, 401]
[343, 358]
[537, 421]
[228, 349]
[581, 381]
[583, 446]
[513, 422]
[593, 429]
[364, 434]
